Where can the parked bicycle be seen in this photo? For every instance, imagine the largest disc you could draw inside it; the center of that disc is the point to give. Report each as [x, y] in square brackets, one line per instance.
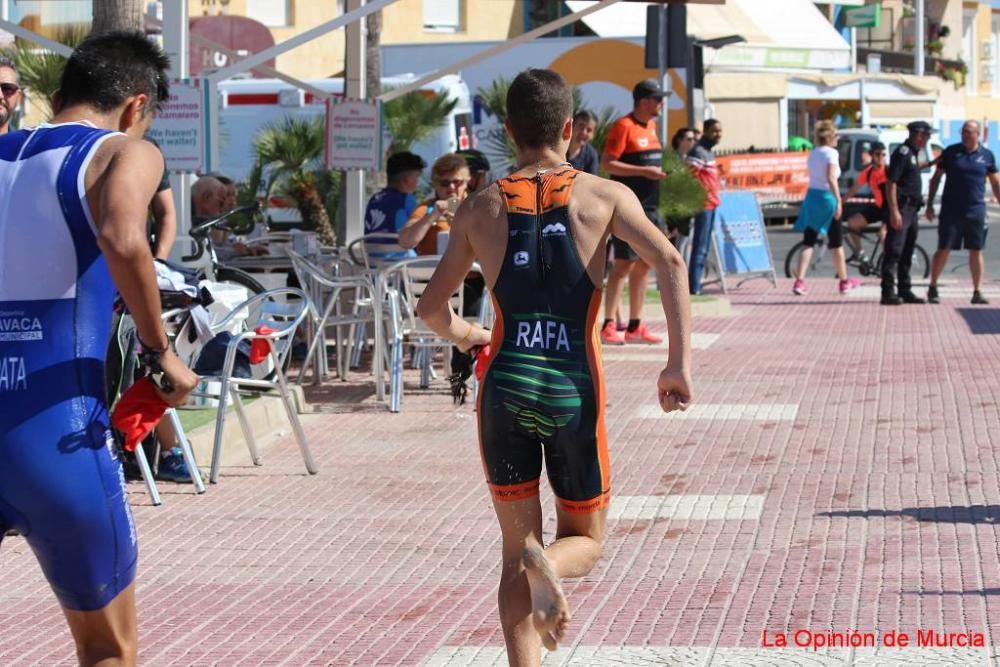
[863, 250]
[215, 270]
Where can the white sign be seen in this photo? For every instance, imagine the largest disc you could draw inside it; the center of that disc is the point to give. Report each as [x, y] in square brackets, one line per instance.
[179, 127]
[353, 134]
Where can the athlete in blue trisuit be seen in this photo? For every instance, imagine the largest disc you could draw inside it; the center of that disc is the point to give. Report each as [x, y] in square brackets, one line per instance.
[73, 200]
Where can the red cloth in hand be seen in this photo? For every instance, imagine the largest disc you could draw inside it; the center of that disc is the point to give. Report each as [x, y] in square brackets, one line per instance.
[482, 361]
[259, 347]
[138, 411]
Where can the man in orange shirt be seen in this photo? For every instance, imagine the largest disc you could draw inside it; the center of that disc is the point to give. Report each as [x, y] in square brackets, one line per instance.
[633, 155]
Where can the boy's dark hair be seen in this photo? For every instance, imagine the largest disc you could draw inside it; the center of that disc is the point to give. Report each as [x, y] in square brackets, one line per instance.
[584, 116]
[538, 104]
[107, 69]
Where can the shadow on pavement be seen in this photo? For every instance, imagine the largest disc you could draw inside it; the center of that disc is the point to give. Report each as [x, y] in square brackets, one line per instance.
[943, 514]
[981, 321]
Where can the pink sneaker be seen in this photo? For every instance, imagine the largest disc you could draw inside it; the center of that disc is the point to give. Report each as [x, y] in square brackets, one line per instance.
[800, 287]
[849, 284]
[611, 336]
[642, 335]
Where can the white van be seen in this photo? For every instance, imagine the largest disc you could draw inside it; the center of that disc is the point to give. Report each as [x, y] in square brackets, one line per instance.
[854, 147]
[249, 105]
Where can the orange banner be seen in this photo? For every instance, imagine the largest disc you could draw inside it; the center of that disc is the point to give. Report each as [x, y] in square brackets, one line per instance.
[773, 176]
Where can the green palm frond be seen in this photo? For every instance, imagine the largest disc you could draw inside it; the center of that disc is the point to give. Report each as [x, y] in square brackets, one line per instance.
[291, 146]
[39, 70]
[413, 117]
[494, 97]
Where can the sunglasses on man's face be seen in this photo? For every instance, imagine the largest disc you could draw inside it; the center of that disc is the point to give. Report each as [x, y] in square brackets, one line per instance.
[456, 182]
[9, 89]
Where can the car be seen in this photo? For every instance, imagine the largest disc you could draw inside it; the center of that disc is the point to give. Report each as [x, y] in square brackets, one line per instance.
[854, 147]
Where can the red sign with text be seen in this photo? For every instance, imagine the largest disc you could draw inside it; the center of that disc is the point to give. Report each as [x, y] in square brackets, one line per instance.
[773, 176]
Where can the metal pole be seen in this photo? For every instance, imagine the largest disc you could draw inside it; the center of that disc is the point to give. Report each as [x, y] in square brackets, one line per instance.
[354, 88]
[175, 43]
[494, 50]
[43, 42]
[661, 59]
[854, 50]
[350, 17]
[918, 47]
[234, 56]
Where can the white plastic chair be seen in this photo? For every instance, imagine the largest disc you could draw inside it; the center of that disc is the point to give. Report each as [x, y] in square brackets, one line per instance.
[337, 300]
[377, 251]
[404, 282]
[272, 309]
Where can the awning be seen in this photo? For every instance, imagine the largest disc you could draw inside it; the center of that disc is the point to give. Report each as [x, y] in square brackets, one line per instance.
[790, 34]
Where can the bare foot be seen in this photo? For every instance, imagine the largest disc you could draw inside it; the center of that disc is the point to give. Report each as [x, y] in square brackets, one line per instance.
[550, 612]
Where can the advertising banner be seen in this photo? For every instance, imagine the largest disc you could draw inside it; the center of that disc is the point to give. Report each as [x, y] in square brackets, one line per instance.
[771, 176]
[740, 238]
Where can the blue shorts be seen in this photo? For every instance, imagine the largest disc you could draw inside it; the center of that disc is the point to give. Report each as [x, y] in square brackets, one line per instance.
[961, 231]
[64, 491]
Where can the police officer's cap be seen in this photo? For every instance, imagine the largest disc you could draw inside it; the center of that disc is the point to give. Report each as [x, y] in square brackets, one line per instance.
[402, 162]
[920, 126]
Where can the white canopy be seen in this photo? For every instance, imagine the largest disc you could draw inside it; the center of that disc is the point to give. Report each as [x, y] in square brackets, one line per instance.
[787, 34]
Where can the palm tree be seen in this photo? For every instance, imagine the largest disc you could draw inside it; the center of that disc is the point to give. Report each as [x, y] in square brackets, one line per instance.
[292, 150]
[39, 70]
[117, 15]
[413, 117]
[681, 194]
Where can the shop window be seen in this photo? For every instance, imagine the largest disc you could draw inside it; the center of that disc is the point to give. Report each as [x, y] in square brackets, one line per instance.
[275, 13]
[442, 15]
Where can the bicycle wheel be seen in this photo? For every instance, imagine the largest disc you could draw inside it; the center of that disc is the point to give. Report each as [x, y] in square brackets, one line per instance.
[921, 267]
[819, 261]
[227, 274]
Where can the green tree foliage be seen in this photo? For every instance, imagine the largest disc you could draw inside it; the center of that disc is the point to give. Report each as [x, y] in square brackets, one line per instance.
[413, 117]
[292, 150]
[39, 70]
[681, 195]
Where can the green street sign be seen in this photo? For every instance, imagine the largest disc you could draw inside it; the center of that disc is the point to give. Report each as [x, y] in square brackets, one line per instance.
[869, 16]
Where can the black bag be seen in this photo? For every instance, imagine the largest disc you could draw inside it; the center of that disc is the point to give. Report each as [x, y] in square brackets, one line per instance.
[213, 356]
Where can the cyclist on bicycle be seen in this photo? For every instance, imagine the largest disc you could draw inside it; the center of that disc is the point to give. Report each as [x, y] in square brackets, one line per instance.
[876, 178]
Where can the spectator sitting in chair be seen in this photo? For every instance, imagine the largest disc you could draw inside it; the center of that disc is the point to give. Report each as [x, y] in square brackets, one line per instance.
[208, 200]
[390, 208]
[450, 178]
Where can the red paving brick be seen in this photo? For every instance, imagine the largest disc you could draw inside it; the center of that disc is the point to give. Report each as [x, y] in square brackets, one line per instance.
[879, 505]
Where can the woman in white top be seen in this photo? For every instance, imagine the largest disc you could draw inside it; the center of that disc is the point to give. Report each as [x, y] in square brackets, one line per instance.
[822, 208]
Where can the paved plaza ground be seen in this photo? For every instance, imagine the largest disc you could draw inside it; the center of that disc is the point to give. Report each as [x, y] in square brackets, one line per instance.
[839, 471]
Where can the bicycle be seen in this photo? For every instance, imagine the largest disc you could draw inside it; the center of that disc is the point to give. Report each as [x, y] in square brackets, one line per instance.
[867, 263]
[215, 270]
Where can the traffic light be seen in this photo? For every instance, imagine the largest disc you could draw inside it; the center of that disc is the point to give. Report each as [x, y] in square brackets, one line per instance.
[676, 48]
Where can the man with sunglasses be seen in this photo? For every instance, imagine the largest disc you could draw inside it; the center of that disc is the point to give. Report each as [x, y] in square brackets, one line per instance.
[10, 93]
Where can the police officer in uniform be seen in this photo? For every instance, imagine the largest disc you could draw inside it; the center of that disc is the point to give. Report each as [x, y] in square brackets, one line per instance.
[905, 199]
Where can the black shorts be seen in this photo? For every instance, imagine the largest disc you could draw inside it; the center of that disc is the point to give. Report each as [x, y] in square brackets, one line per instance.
[834, 236]
[873, 214]
[961, 231]
[624, 250]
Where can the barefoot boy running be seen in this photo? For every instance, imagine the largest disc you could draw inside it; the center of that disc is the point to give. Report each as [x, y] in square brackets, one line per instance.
[539, 236]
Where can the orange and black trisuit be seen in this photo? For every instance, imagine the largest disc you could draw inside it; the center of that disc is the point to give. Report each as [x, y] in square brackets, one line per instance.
[543, 392]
